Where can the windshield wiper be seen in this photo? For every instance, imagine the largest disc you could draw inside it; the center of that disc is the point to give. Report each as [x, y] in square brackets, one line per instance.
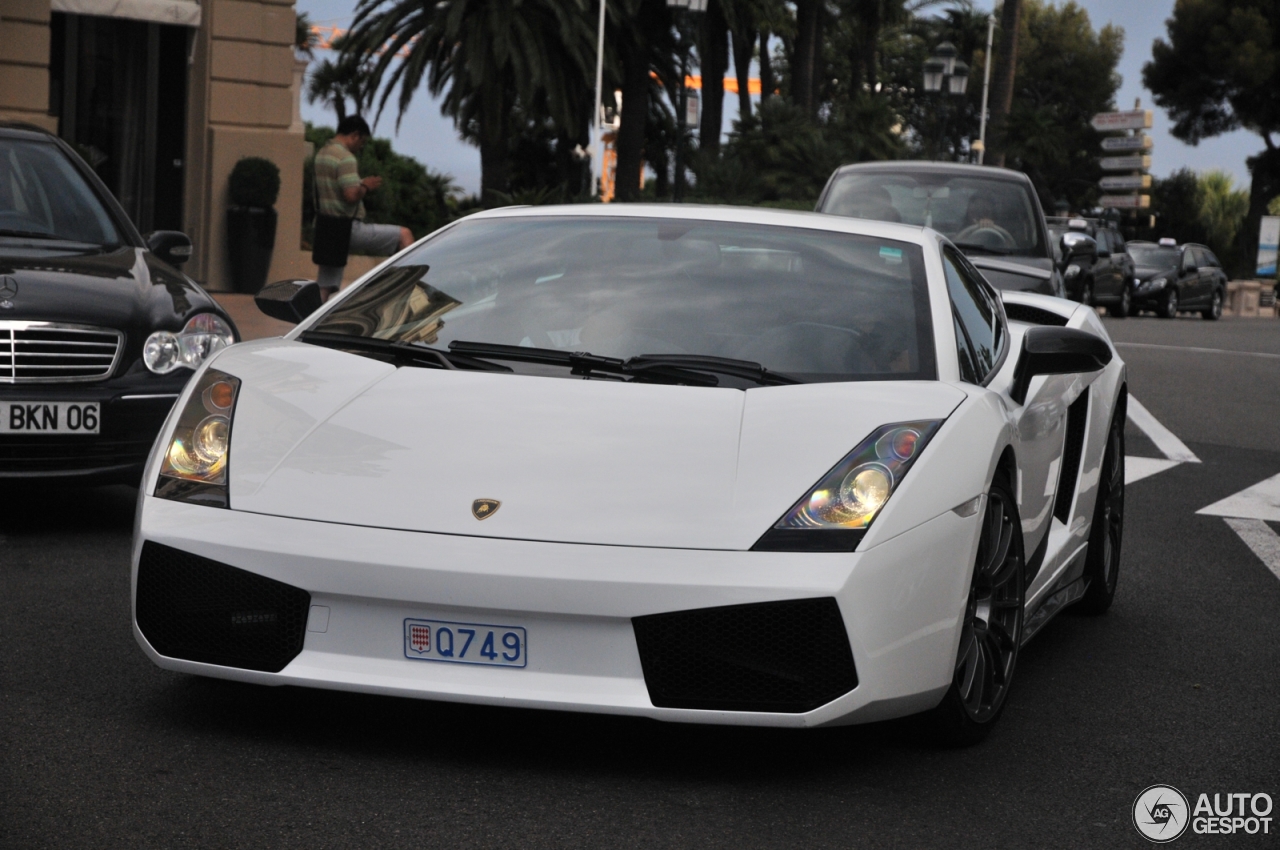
[694, 369]
[975, 246]
[402, 352]
[748, 369]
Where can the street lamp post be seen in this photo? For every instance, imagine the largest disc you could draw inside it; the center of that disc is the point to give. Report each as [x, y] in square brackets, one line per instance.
[986, 84]
[599, 117]
[943, 70]
[682, 7]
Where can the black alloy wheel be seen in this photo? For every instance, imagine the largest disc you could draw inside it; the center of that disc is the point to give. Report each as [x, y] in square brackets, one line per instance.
[1169, 304]
[992, 631]
[1102, 562]
[1214, 311]
[1124, 308]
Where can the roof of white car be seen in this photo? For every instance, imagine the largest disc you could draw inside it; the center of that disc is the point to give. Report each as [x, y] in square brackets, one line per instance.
[738, 215]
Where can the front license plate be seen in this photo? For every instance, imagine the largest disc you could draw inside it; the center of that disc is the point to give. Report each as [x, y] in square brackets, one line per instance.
[465, 643]
[45, 417]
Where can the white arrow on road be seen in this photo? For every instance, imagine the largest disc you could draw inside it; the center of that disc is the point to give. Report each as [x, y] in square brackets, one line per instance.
[1174, 450]
[1247, 513]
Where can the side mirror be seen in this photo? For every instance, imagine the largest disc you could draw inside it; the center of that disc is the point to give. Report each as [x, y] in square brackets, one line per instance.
[1078, 245]
[1056, 351]
[289, 300]
[169, 246]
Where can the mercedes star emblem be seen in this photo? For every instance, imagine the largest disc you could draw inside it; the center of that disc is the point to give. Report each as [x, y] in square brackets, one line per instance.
[8, 291]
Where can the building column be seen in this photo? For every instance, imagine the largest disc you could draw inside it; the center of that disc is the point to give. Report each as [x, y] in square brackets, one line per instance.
[24, 63]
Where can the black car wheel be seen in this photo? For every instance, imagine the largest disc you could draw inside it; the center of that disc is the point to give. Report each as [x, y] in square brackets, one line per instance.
[1102, 562]
[1214, 311]
[1122, 309]
[1169, 305]
[992, 630]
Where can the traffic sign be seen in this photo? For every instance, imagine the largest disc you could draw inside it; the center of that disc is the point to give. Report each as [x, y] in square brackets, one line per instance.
[1121, 182]
[1140, 142]
[1125, 163]
[1134, 119]
[1125, 202]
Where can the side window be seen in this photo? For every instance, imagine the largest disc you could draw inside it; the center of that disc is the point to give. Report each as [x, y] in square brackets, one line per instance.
[976, 312]
[1210, 259]
[1189, 259]
[1117, 242]
[964, 354]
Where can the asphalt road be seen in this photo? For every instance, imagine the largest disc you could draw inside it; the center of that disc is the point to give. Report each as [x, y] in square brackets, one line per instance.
[1178, 684]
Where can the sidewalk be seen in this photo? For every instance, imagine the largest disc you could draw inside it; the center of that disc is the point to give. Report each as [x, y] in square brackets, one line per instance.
[252, 323]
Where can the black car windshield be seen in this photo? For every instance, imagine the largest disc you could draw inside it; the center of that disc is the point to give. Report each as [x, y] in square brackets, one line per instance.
[1156, 256]
[980, 215]
[815, 305]
[43, 197]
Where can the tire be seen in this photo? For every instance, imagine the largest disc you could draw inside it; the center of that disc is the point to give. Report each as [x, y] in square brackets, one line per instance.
[1214, 311]
[1124, 309]
[1102, 561]
[992, 631]
[1168, 308]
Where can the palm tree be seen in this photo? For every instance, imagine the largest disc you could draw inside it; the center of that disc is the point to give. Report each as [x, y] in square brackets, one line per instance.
[482, 55]
[332, 84]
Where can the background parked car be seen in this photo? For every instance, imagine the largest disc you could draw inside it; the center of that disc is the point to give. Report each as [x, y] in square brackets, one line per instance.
[991, 214]
[1104, 270]
[1175, 279]
[99, 331]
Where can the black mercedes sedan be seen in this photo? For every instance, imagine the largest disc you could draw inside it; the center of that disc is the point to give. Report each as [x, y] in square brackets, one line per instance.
[99, 331]
[991, 214]
[1173, 279]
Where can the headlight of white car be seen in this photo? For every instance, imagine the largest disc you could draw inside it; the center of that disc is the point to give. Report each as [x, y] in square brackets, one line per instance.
[194, 468]
[204, 335]
[838, 510]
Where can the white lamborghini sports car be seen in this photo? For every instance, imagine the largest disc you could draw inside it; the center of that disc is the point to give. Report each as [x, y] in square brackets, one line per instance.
[712, 465]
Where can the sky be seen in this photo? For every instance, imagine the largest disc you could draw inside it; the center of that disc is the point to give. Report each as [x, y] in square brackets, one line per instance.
[430, 138]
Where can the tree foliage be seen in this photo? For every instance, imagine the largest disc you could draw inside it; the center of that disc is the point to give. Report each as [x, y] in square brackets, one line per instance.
[1219, 71]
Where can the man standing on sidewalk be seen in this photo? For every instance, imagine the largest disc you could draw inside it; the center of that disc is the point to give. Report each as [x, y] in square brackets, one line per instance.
[340, 193]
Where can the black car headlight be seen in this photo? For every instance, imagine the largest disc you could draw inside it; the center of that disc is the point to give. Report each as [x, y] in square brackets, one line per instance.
[204, 335]
[194, 468]
[838, 510]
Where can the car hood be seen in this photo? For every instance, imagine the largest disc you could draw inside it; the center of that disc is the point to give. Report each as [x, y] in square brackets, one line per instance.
[1032, 274]
[330, 436]
[116, 288]
[1148, 272]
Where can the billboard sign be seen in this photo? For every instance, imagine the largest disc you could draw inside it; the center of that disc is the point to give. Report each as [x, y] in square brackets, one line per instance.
[1125, 202]
[1268, 240]
[1121, 182]
[1140, 142]
[1125, 163]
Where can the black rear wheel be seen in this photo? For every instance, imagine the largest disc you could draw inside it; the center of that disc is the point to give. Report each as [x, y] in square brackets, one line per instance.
[1102, 562]
[1214, 310]
[992, 630]
[1122, 309]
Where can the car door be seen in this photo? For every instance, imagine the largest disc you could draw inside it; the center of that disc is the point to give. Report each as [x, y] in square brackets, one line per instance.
[1188, 277]
[983, 340]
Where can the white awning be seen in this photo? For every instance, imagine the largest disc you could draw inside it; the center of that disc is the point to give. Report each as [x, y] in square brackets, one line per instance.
[183, 12]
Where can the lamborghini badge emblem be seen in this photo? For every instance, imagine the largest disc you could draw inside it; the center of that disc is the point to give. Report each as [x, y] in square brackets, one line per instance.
[484, 508]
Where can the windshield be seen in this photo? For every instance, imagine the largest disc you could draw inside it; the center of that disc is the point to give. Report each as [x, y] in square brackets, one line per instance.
[43, 197]
[1153, 255]
[979, 215]
[812, 304]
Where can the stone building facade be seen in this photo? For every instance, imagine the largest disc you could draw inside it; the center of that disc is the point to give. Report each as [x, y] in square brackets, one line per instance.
[163, 97]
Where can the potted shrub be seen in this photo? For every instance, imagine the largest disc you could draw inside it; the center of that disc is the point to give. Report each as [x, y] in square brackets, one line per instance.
[251, 221]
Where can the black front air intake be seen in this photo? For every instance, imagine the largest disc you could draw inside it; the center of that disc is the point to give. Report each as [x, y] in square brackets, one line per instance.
[197, 609]
[789, 657]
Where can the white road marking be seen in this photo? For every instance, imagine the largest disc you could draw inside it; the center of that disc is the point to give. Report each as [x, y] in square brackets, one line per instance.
[1138, 468]
[1259, 537]
[1259, 502]
[1197, 350]
[1168, 444]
